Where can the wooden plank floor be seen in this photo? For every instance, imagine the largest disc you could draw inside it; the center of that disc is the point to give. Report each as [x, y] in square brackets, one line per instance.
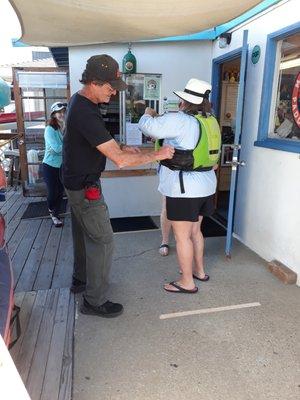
[44, 353]
[42, 262]
[41, 254]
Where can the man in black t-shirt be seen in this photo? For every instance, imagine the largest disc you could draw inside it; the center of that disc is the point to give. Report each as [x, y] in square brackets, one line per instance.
[86, 145]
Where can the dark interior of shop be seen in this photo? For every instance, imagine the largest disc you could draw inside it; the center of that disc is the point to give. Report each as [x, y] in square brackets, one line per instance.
[230, 76]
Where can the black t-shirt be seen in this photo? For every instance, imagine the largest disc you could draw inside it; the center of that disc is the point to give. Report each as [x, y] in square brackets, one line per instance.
[85, 129]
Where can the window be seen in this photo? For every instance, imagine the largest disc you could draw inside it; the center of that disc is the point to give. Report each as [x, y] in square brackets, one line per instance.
[40, 55]
[279, 124]
[285, 123]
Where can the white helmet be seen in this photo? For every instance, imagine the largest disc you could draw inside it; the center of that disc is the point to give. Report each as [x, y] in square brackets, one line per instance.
[58, 106]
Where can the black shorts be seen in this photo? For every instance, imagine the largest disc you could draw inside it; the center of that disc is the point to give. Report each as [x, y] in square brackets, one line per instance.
[189, 209]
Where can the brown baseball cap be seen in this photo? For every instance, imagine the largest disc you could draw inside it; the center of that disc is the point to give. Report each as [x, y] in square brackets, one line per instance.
[103, 68]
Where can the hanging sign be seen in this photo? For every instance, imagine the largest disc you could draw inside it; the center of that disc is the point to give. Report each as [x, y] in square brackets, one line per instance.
[255, 54]
[152, 87]
[296, 100]
[129, 63]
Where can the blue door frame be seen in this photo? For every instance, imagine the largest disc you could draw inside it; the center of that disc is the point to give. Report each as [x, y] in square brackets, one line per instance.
[216, 72]
[241, 53]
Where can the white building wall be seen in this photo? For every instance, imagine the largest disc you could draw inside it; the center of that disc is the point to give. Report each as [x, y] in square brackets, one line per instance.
[177, 62]
[267, 213]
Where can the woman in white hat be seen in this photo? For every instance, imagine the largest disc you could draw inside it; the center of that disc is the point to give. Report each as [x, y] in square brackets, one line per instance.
[53, 159]
[189, 195]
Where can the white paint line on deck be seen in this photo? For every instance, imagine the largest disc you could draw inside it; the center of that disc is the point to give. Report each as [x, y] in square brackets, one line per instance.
[208, 310]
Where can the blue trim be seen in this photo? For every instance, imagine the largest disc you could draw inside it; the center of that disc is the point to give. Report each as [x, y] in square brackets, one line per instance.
[244, 17]
[213, 33]
[229, 56]
[285, 32]
[237, 139]
[215, 79]
[267, 88]
[18, 43]
[216, 83]
[279, 144]
[208, 34]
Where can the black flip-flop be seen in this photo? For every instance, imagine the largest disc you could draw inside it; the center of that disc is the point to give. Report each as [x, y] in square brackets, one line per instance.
[181, 289]
[205, 279]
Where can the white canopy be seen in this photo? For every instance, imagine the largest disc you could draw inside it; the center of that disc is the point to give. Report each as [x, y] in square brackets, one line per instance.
[77, 22]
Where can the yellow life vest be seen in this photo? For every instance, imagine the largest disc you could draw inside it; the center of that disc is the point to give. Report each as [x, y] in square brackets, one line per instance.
[204, 156]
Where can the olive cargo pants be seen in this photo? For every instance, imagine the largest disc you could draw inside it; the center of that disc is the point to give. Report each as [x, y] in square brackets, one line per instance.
[92, 244]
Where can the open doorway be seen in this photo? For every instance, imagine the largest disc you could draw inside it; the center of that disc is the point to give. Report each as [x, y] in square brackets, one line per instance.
[229, 77]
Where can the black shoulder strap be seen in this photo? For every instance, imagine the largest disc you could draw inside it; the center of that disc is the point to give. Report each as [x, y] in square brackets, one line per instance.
[200, 132]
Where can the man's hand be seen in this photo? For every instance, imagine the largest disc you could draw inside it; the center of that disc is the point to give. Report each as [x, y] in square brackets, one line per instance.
[165, 152]
[215, 167]
[131, 149]
[151, 112]
[123, 159]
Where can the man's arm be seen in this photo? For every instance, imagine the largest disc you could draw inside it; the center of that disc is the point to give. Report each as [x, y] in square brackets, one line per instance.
[130, 149]
[122, 159]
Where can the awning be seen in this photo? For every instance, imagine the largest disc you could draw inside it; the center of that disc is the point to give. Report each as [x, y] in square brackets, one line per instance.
[75, 22]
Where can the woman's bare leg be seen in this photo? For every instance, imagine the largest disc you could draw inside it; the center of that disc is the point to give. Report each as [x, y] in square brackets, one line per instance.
[184, 246]
[166, 225]
[198, 245]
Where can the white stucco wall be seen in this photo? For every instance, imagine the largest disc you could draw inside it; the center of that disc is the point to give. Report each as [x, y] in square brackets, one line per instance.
[267, 216]
[177, 62]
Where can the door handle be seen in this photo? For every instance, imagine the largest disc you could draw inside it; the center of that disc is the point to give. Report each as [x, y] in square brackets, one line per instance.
[235, 147]
[234, 164]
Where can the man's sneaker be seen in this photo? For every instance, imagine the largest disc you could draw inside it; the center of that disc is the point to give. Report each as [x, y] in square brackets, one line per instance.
[106, 310]
[55, 219]
[77, 286]
[56, 222]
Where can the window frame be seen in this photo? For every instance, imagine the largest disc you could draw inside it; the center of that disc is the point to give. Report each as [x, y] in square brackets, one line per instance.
[267, 99]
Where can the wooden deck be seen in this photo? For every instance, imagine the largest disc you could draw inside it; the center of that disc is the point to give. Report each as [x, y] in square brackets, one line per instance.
[41, 257]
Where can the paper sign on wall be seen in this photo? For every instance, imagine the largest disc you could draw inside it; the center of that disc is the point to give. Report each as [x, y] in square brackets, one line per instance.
[133, 134]
[152, 87]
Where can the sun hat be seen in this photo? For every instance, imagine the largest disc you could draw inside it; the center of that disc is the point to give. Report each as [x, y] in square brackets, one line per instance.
[58, 106]
[104, 68]
[195, 91]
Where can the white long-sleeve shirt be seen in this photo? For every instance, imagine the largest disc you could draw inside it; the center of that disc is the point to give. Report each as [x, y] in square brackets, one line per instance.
[181, 131]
